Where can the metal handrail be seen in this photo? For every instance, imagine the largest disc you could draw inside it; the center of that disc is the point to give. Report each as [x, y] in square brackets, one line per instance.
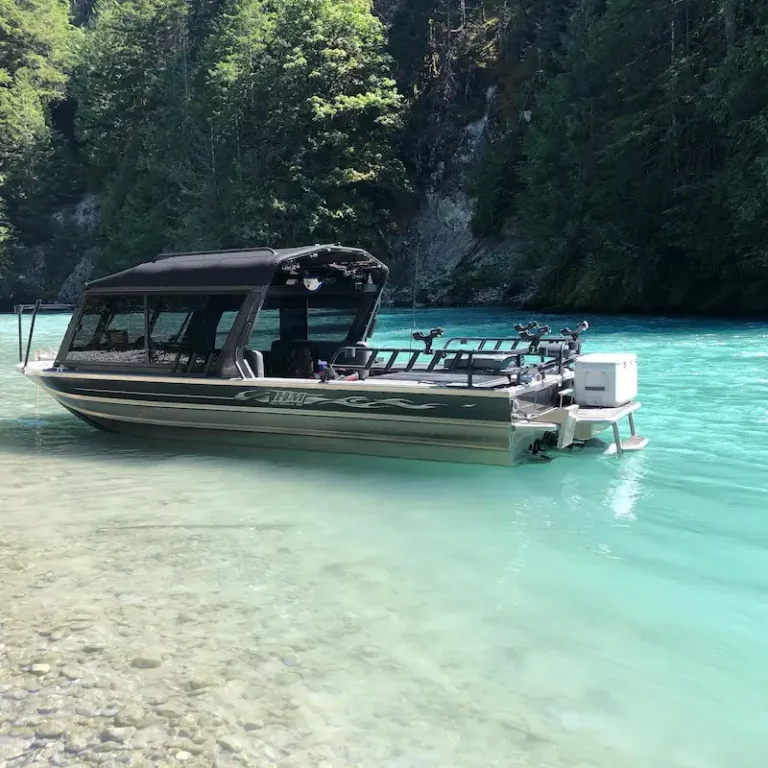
[373, 362]
[31, 332]
[501, 344]
[482, 340]
[37, 307]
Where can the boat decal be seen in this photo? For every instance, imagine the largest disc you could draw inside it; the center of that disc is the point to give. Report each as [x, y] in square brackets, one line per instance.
[299, 399]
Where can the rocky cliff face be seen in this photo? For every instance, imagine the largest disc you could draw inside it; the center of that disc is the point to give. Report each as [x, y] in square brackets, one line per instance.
[57, 268]
[84, 218]
[437, 259]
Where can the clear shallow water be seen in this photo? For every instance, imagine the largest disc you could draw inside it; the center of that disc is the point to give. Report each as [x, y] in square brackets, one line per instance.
[589, 612]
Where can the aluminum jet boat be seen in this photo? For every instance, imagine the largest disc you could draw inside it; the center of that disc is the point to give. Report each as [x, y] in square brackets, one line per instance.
[273, 348]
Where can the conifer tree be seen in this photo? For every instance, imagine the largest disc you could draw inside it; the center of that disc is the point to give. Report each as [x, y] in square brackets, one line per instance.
[35, 53]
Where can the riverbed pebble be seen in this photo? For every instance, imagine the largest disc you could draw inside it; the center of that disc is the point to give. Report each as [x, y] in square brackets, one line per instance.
[129, 716]
[71, 673]
[229, 744]
[147, 661]
[169, 711]
[49, 729]
[120, 735]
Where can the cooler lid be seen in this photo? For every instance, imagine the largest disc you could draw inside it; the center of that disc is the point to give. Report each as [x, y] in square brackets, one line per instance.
[607, 358]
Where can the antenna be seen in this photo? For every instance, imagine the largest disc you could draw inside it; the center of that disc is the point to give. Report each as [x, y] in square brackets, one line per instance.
[413, 294]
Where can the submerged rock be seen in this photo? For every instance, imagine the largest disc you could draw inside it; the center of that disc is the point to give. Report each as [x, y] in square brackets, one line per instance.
[117, 734]
[169, 711]
[76, 744]
[229, 744]
[16, 695]
[188, 746]
[195, 684]
[130, 716]
[49, 730]
[87, 711]
[147, 661]
[71, 673]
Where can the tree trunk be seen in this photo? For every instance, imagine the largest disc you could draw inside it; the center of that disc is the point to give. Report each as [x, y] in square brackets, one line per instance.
[729, 12]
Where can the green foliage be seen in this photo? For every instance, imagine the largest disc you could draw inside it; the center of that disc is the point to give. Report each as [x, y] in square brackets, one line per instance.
[627, 142]
[493, 185]
[5, 236]
[36, 47]
[35, 52]
[268, 123]
[306, 111]
[644, 181]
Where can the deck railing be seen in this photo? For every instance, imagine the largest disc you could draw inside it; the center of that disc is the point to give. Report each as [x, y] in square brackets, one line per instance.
[502, 357]
[36, 308]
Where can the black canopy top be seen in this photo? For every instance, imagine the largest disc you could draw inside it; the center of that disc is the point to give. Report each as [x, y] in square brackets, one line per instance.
[247, 268]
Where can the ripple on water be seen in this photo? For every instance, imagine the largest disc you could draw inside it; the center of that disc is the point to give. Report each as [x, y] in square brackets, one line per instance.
[171, 605]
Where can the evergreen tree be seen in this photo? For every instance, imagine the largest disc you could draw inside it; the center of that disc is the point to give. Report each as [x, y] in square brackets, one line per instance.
[634, 197]
[306, 115]
[267, 122]
[627, 141]
[35, 53]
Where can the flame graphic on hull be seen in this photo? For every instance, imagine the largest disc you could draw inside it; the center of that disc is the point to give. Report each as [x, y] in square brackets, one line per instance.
[300, 399]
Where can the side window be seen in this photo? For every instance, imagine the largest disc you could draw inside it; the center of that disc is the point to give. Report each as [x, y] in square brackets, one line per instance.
[111, 330]
[266, 330]
[169, 318]
[296, 319]
[330, 323]
[224, 328]
[188, 333]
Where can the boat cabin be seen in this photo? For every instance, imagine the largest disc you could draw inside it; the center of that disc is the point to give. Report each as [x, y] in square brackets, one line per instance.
[228, 314]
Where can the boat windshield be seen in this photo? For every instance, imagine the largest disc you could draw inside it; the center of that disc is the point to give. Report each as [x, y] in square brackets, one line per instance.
[184, 333]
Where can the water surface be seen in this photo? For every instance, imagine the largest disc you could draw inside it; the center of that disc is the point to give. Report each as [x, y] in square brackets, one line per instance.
[593, 611]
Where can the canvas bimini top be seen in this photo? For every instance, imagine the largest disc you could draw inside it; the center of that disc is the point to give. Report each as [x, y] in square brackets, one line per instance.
[241, 268]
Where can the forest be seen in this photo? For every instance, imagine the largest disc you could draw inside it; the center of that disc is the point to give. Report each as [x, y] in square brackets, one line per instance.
[622, 164]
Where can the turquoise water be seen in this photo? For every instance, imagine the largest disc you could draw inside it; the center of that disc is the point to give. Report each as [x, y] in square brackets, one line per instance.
[593, 611]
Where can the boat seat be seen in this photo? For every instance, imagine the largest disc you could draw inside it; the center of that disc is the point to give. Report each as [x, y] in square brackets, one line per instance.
[299, 358]
[291, 360]
[485, 361]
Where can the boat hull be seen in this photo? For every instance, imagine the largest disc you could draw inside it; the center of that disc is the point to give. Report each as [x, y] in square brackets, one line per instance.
[464, 426]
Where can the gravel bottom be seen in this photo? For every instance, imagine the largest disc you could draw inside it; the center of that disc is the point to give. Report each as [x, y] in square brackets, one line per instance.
[146, 625]
[165, 645]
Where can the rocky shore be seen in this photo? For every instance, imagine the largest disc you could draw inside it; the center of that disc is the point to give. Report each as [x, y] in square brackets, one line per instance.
[153, 645]
[70, 697]
[161, 610]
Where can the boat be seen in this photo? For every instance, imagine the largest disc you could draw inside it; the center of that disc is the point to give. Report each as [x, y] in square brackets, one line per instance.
[273, 348]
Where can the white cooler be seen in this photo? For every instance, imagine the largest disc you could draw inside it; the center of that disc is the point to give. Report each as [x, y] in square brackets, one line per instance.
[605, 380]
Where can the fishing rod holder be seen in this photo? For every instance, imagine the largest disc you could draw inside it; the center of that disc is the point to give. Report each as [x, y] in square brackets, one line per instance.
[428, 338]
